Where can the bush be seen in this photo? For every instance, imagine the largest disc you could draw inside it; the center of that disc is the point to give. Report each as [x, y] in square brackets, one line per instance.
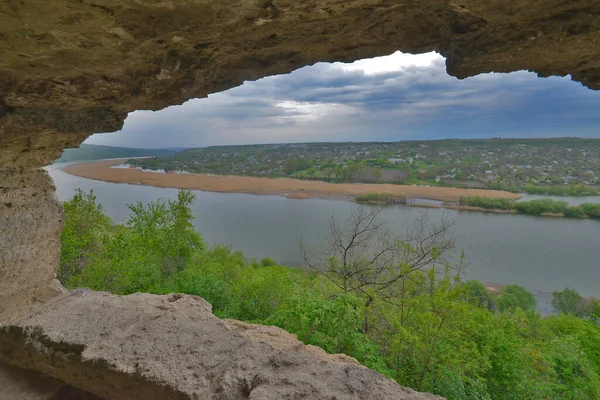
[573, 190]
[570, 302]
[537, 207]
[476, 293]
[381, 198]
[487, 203]
[574, 212]
[515, 296]
[85, 229]
[268, 262]
[592, 210]
[534, 207]
[334, 325]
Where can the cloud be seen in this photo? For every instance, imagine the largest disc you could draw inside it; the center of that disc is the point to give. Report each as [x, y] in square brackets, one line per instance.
[392, 63]
[397, 97]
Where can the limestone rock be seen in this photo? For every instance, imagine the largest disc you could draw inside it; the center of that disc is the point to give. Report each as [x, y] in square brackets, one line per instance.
[30, 225]
[70, 68]
[145, 346]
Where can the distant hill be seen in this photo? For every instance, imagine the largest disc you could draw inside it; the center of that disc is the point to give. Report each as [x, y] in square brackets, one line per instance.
[96, 152]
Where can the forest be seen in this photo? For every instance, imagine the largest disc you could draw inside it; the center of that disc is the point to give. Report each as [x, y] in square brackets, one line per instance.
[398, 304]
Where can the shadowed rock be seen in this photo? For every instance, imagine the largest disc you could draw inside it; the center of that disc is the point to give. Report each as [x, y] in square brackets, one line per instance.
[144, 346]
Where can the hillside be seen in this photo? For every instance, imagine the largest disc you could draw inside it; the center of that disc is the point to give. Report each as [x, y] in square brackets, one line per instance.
[96, 152]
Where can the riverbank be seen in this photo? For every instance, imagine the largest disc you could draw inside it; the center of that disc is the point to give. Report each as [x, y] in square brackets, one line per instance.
[292, 188]
[480, 209]
[540, 207]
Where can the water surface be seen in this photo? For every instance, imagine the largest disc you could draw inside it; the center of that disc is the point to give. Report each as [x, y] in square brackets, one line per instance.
[540, 253]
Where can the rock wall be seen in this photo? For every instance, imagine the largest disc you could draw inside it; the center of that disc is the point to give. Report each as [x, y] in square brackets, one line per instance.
[70, 68]
[30, 225]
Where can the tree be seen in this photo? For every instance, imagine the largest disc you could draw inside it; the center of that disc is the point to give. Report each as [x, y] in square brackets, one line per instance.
[329, 173]
[476, 293]
[515, 296]
[166, 230]
[361, 256]
[334, 325]
[570, 302]
[82, 235]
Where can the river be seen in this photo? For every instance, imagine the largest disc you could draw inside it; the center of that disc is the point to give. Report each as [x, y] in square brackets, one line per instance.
[539, 253]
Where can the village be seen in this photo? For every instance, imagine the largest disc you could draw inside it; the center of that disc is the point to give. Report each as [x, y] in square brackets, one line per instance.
[553, 166]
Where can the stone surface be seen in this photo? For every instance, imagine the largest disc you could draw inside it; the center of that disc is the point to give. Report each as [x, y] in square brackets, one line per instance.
[145, 346]
[21, 384]
[69, 68]
[30, 225]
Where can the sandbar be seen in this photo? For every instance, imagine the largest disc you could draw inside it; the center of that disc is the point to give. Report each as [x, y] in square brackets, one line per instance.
[289, 187]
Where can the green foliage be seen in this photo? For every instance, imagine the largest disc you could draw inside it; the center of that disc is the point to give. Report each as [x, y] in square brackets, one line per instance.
[259, 292]
[296, 164]
[419, 326]
[165, 229]
[488, 203]
[592, 210]
[83, 234]
[506, 186]
[515, 296]
[573, 371]
[157, 241]
[574, 212]
[534, 207]
[573, 190]
[334, 325]
[268, 262]
[537, 207]
[358, 171]
[381, 198]
[476, 293]
[570, 302]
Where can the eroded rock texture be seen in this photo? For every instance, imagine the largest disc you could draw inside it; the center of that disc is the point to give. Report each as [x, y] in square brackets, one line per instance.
[69, 68]
[30, 225]
[171, 347]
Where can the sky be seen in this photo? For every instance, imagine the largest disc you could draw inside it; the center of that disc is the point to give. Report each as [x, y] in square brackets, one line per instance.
[392, 98]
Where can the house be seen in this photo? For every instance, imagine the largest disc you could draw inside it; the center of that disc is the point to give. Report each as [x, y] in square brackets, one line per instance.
[396, 160]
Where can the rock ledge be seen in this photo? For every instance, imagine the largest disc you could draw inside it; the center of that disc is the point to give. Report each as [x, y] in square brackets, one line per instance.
[145, 346]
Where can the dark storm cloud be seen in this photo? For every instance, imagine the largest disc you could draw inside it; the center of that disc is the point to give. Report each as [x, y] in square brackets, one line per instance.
[333, 102]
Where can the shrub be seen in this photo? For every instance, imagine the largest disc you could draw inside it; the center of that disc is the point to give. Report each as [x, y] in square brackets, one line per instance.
[381, 198]
[590, 209]
[574, 212]
[515, 296]
[537, 207]
[570, 302]
[475, 292]
[488, 203]
[268, 262]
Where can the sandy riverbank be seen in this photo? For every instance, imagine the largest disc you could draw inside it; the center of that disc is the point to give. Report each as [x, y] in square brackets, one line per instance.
[293, 188]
